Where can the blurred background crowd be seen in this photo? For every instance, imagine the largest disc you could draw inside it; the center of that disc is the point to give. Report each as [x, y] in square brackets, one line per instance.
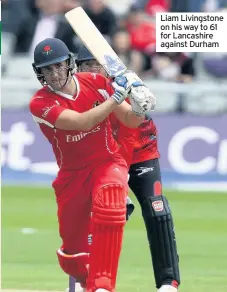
[183, 82]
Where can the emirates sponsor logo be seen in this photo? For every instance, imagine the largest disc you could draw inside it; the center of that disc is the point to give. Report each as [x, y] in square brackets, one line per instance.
[46, 110]
[81, 135]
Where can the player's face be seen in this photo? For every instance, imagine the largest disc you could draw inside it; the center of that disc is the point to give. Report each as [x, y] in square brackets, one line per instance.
[92, 66]
[56, 75]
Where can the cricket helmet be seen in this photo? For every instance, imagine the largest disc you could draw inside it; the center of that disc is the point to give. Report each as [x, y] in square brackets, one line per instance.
[52, 51]
[84, 55]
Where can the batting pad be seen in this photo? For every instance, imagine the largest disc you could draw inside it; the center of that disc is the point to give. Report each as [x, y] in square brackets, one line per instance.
[108, 220]
[160, 231]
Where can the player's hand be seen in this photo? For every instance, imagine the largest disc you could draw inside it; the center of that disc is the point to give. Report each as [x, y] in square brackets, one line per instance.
[123, 85]
[122, 88]
[142, 100]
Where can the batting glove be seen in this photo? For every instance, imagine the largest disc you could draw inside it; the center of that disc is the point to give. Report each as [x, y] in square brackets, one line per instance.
[123, 85]
[142, 100]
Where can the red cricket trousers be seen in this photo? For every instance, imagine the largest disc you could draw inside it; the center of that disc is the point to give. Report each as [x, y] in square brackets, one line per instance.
[74, 193]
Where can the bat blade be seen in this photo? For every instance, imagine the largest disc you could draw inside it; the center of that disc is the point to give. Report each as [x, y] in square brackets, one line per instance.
[95, 42]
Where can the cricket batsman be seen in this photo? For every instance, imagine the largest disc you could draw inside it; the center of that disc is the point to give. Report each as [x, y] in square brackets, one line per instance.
[142, 156]
[92, 176]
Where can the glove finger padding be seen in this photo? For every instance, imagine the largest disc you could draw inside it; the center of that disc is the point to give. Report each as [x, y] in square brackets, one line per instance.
[142, 100]
[121, 89]
[123, 84]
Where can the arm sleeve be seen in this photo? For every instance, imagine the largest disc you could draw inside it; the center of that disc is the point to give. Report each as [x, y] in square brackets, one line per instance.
[45, 111]
[104, 85]
[123, 135]
[126, 139]
[109, 87]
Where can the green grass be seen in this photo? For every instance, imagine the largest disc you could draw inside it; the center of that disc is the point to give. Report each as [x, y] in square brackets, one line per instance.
[29, 260]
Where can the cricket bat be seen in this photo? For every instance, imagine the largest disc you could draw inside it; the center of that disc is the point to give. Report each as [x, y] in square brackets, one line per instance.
[95, 42]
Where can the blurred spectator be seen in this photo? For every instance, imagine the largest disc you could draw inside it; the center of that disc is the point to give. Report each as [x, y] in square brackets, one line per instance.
[214, 5]
[215, 64]
[210, 5]
[151, 6]
[173, 67]
[71, 4]
[122, 46]
[47, 20]
[223, 5]
[142, 32]
[197, 5]
[102, 16]
[13, 13]
[186, 5]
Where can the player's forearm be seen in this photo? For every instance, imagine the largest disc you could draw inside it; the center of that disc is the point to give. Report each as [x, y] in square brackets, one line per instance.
[74, 121]
[132, 120]
[126, 116]
[98, 114]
